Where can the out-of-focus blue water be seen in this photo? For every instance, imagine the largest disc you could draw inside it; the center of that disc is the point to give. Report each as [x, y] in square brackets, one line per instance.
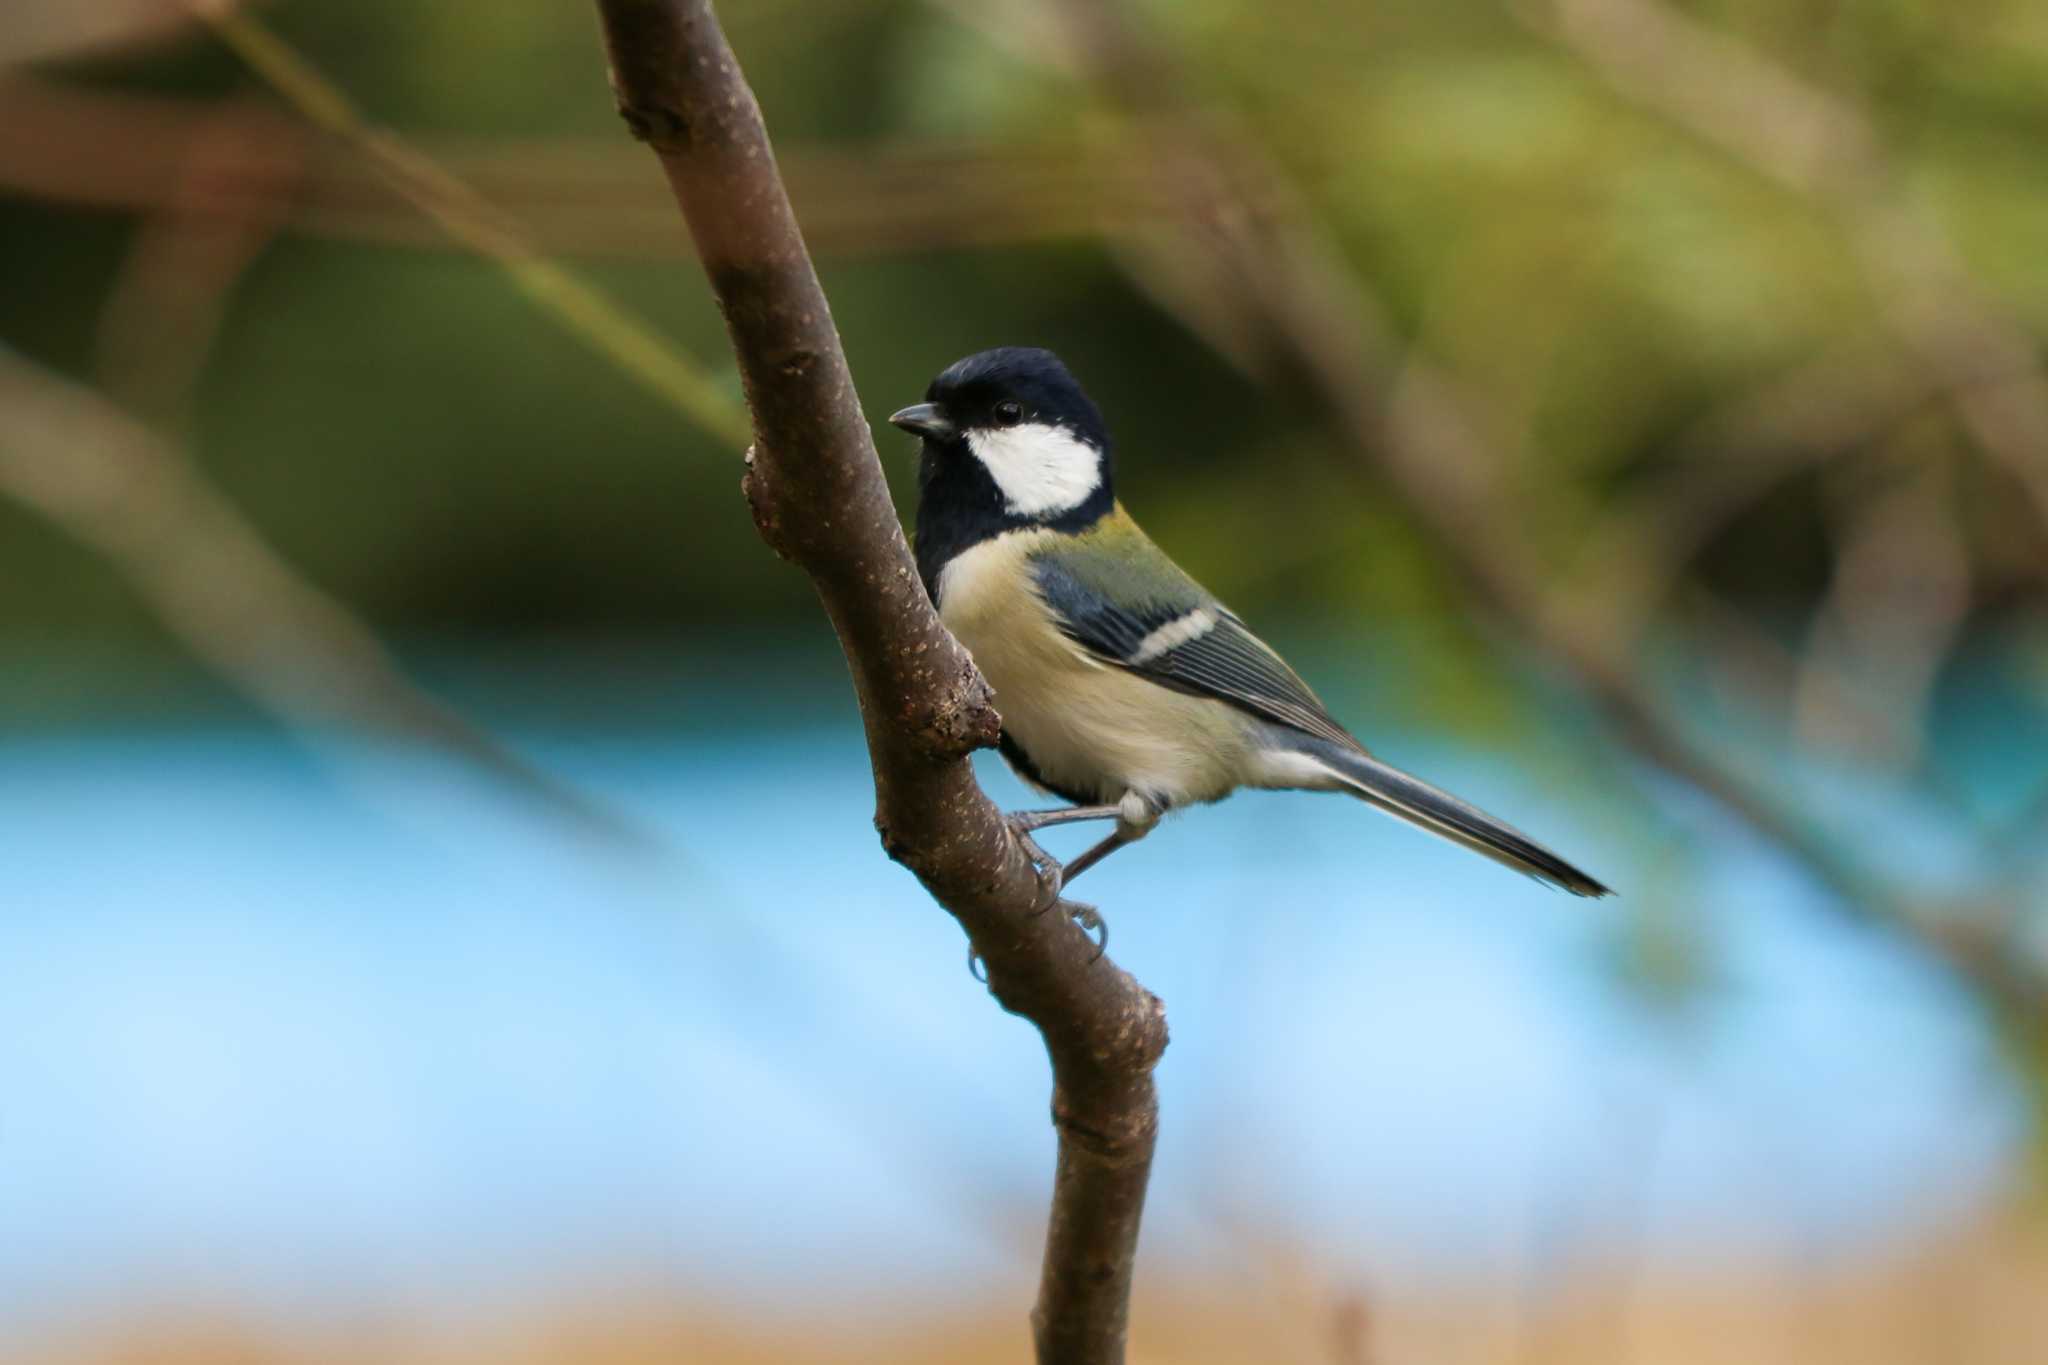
[290, 1029]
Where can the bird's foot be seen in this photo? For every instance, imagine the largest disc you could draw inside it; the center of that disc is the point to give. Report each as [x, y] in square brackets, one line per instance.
[1051, 876]
[1091, 921]
[975, 966]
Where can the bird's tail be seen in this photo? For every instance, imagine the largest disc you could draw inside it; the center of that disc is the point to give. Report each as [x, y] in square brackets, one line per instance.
[1445, 815]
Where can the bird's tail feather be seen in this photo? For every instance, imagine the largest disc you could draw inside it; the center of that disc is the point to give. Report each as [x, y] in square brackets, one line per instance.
[1446, 816]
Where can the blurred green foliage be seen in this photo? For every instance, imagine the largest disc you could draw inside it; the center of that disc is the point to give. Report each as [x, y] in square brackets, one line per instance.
[422, 442]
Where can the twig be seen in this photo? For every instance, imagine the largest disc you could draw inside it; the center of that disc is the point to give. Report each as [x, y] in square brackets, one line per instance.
[465, 216]
[79, 459]
[1901, 588]
[1753, 663]
[166, 305]
[118, 151]
[68, 454]
[1821, 146]
[818, 498]
[1634, 555]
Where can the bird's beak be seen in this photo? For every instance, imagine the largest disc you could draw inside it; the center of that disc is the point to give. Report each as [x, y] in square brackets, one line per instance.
[926, 420]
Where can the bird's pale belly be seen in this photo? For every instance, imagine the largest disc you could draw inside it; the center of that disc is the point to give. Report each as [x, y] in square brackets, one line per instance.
[1087, 726]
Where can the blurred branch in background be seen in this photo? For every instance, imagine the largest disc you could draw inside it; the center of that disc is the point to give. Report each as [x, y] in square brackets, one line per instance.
[38, 30]
[1631, 569]
[92, 465]
[467, 218]
[73, 457]
[1820, 145]
[1292, 294]
[1730, 459]
[158, 325]
[114, 150]
[1896, 604]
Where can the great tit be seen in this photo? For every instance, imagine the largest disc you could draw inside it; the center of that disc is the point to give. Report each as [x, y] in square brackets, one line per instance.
[1123, 685]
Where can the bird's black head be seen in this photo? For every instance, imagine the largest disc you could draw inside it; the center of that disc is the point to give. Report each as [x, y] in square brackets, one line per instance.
[1010, 441]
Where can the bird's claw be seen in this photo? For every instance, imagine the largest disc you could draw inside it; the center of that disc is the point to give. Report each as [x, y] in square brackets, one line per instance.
[1091, 921]
[1051, 877]
[975, 968]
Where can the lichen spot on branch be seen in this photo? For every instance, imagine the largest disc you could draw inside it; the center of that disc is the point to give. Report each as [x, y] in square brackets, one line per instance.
[661, 128]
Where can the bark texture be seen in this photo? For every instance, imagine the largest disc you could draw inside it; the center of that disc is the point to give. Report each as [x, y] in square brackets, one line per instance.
[819, 499]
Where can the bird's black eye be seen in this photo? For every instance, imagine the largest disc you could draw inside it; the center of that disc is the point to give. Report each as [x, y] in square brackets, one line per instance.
[1008, 414]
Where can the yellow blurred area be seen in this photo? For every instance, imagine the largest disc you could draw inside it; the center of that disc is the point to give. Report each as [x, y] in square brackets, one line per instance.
[1976, 1298]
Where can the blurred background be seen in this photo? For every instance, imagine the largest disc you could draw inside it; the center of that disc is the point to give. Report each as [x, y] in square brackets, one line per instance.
[440, 918]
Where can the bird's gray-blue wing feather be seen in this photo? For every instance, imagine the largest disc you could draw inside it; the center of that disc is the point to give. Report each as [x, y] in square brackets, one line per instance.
[1119, 597]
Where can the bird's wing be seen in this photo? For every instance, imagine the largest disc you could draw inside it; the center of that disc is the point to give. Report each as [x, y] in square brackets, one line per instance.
[1118, 596]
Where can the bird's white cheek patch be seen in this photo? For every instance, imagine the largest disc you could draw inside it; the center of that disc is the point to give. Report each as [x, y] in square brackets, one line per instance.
[1040, 469]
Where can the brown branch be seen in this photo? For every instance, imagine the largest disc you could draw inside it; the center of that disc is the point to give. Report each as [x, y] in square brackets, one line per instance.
[1891, 615]
[816, 489]
[120, 151]
[167, 303]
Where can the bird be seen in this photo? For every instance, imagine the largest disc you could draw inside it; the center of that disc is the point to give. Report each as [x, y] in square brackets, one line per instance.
[1124, 686]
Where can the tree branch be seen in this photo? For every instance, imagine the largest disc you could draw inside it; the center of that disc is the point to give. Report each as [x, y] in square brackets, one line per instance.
[817, 493]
